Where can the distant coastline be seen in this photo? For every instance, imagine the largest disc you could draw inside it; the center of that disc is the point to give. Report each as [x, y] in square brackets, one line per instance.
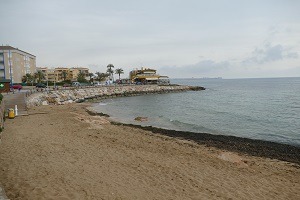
[211, 78]
[235, 78]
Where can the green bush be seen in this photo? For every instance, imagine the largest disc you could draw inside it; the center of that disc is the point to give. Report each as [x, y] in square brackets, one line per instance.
[67, 81]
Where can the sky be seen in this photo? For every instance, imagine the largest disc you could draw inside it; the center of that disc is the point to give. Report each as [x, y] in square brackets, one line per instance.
[179, 38]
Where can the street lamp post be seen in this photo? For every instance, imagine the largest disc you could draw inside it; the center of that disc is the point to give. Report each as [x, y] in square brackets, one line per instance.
[54, 80]
[10, 70]
[47, 84]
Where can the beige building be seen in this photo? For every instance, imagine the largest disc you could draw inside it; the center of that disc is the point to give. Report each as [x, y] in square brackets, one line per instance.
[60, 73]
[147, 76]
[15, 63]
[52, 75]
[74, 71]
[49, 74]
[44, 70]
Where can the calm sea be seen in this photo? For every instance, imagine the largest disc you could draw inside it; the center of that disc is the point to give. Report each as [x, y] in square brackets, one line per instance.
[265, 108]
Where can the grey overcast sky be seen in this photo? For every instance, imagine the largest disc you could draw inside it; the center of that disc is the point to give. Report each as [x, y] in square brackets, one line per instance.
[179, 38]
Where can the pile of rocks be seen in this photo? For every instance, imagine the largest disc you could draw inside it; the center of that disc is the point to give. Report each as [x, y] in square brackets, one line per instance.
[59, 97]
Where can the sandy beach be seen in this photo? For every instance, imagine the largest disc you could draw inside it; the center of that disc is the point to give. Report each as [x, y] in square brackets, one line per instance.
[62, 152]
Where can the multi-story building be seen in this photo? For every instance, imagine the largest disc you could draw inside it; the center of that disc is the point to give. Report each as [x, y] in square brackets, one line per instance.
[15, 63]
[49, 74]
[74, 71]
[147, 76]
[52, 76]
[63, 73]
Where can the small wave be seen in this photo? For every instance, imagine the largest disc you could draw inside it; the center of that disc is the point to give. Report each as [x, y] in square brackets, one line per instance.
[295, 107]
[102, 104]
[177, 122]
[191, 127]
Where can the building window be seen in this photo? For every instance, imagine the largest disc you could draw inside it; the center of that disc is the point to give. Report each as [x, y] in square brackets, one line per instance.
[1, 58]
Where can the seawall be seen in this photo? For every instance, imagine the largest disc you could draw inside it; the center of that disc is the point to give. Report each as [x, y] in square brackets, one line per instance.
[64, 96]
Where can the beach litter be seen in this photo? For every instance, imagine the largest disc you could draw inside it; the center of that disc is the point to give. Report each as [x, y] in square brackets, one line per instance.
[233, 158]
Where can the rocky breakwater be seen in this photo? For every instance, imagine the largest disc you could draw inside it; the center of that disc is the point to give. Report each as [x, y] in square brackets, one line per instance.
[59, 97]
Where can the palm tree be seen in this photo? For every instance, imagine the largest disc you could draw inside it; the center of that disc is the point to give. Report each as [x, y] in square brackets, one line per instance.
[64, 75]
[81, 77]
[39, 75]
[101, 76]
[119, 71]
[110, 71]
[26, 78]
[91, 76]
[30, 78]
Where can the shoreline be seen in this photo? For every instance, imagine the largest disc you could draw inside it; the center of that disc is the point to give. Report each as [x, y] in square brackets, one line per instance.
[252, 147]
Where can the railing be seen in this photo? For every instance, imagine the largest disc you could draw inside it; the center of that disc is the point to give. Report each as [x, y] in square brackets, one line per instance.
[147, 75]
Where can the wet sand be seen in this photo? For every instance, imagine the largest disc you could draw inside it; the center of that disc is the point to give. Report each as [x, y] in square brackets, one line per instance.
[62, 152]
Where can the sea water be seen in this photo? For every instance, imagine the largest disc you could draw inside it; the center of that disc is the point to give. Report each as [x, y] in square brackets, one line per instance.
[266, 109]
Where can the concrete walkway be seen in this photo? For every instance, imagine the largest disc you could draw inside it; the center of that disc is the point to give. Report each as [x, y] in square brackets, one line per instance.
[19, 99]
[10, 100]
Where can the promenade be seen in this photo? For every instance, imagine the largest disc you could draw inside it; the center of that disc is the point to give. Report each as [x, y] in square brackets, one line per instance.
[16, 98]
[10, 100]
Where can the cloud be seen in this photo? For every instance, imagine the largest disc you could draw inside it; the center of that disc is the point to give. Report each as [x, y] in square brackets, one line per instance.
[267, 57]
[269, 53]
